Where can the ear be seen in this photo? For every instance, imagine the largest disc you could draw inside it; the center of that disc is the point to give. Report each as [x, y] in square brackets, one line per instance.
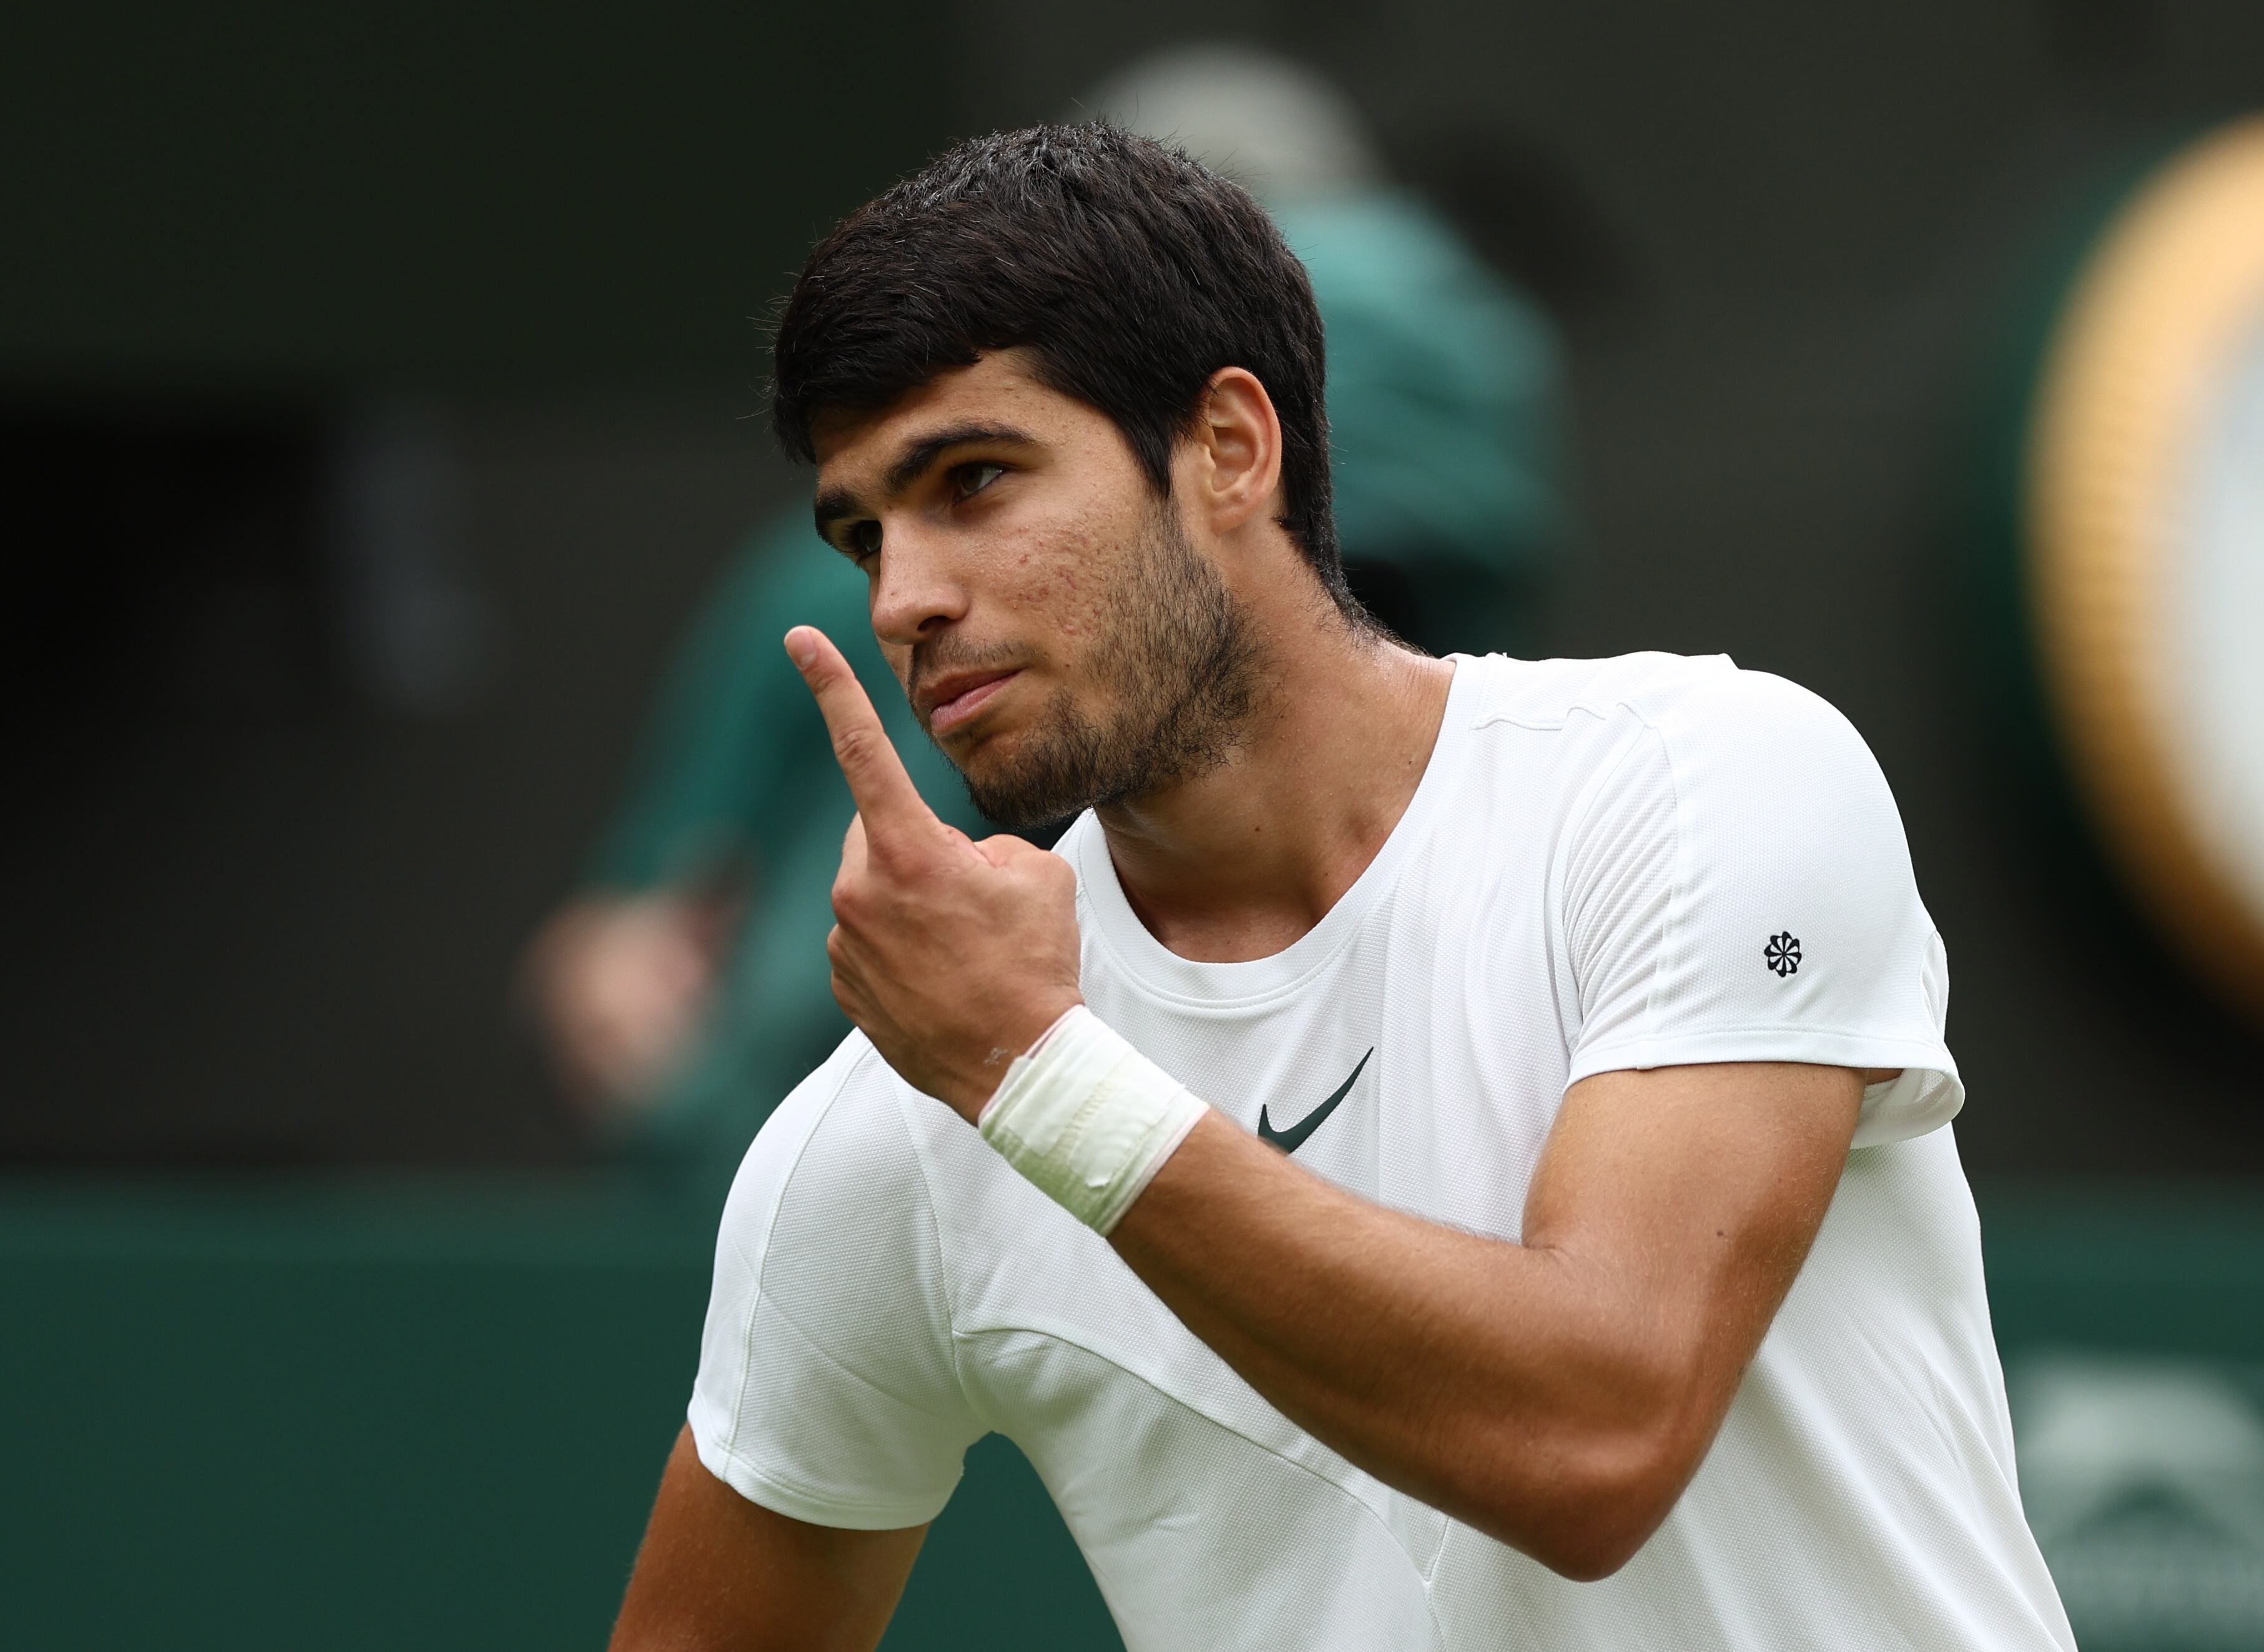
[1238, 451]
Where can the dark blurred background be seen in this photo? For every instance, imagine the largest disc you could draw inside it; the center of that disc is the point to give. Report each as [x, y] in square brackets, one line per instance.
[380, 387]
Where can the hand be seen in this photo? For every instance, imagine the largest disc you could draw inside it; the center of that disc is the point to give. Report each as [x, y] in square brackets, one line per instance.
[952, 955]
[619, 983]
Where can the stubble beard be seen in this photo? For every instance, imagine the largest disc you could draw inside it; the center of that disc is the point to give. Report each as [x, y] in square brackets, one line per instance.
[1180, 670]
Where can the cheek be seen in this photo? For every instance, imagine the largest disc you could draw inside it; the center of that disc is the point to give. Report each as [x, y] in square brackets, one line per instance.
[1075, 612]
[1082, 568]
[1050, 584]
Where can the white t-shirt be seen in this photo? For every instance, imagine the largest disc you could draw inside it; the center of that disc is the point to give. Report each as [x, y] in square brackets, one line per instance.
[1612, 864]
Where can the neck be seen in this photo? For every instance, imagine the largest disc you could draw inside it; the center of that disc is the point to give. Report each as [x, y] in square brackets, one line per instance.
[1240, 861]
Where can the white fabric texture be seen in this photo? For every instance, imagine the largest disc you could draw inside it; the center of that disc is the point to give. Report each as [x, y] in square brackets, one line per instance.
[1603, 867]
[1087, 1120]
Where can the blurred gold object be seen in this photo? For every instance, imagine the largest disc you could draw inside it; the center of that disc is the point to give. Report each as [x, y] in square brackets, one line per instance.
[2145, 547]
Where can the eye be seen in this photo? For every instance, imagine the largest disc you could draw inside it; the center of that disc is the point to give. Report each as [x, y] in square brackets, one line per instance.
[862, 539]
[967, 481]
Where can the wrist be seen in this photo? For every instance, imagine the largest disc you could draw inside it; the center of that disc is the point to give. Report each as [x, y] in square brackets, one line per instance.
[1018, 1039]
[1054, 1027]
[1088, 1119]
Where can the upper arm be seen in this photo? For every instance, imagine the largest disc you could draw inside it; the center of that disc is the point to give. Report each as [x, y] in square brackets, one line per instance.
[1696, 1191]
[1746, 948]
[717, 1571]
[1680, 1202]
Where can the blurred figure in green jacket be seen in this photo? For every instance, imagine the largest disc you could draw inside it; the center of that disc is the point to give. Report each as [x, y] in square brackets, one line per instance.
[683, 990]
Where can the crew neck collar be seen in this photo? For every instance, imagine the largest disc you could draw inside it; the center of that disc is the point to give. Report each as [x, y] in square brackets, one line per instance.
[1161, 972]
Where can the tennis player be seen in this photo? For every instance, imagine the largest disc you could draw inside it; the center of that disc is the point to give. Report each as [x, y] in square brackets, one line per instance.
[1447, 1154]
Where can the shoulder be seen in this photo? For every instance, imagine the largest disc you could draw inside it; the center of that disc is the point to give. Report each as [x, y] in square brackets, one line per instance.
[837, 1154]
[1664, 689]
[1737, 886]
[1696, 711]
[1732, 712]
[828, 1385]
[830, 1228]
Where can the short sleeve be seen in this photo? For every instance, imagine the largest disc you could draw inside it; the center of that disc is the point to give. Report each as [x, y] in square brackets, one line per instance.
[1737, 887]
[828, 1387]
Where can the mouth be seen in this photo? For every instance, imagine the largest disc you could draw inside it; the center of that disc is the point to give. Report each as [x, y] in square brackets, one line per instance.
[950, 700]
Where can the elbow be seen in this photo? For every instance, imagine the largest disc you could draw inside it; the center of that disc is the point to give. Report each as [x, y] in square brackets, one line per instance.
[1593, 1552]
[1593, 1514]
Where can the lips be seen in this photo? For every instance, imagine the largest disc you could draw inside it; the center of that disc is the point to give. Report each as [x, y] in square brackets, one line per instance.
[950, 700]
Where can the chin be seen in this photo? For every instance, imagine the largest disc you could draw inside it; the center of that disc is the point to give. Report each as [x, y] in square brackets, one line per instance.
[993, 741]
[986, 762]
[1023, 797]
[971, 750]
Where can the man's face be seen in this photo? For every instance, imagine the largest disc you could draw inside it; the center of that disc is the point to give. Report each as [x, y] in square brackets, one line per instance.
[1059, 634]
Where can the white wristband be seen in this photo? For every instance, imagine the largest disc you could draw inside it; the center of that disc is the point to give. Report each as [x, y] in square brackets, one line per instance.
[1089, 1118]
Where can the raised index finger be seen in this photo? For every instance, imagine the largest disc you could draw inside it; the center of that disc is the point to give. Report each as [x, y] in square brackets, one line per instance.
[886, 797]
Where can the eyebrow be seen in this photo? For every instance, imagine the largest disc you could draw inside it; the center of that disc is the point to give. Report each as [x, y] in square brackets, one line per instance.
[914, 462]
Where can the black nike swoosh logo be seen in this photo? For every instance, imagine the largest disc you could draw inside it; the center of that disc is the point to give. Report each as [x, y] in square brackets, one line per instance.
[1290, 1140]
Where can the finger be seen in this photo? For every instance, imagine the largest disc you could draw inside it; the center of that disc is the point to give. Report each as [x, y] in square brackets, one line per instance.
[851, 873]
[886, 800]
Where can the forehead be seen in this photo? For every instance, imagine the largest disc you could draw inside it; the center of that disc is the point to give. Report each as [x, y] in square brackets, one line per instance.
[854, 447]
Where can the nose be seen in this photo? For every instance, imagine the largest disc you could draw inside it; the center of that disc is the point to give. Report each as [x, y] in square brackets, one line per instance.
[917, 592]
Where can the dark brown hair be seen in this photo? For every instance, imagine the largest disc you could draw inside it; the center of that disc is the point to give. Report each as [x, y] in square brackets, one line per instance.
[1129, 271]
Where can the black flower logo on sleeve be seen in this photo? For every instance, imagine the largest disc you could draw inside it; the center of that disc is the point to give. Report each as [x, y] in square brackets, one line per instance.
[1784, 952]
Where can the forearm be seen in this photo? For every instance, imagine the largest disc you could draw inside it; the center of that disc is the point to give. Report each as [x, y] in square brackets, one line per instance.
[1516, 1388]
